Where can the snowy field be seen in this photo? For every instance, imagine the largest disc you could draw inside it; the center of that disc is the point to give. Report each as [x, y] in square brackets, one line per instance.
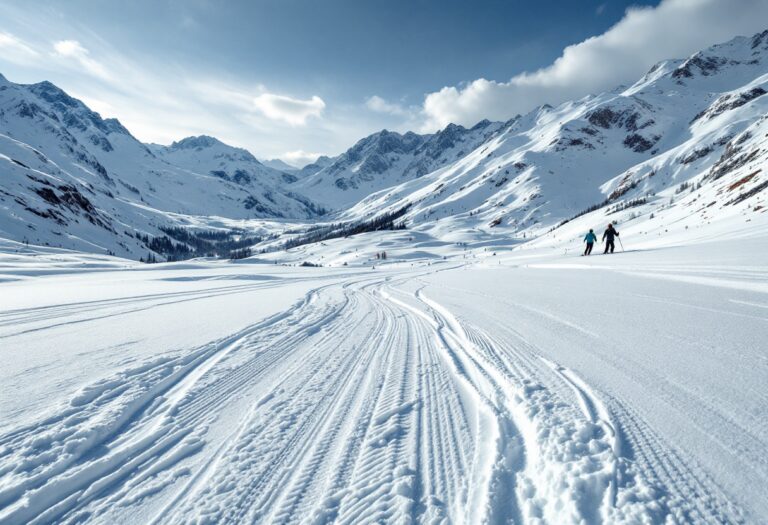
[530, 386]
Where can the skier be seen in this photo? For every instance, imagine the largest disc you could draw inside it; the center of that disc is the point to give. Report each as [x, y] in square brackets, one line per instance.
[590, 239]
[608, 237]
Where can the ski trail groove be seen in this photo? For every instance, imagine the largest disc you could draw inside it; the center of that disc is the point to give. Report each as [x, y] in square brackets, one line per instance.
[366, 402]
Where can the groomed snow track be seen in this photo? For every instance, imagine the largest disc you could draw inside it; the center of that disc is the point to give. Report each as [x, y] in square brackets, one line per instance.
[366, 402]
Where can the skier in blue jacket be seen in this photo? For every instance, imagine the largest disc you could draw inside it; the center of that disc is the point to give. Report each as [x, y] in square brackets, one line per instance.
[590, 239]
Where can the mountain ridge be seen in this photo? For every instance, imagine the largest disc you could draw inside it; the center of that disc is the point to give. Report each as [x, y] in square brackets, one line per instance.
[75, 180]
[680, 121]
[551, 164]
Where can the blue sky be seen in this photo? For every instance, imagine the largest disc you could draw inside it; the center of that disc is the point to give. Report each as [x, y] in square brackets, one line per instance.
[292, 79]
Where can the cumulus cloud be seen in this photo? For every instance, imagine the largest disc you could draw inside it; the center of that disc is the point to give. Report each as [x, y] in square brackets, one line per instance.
[16, 50]
[644, 36]
[379, 105]
[74, 51]
[293, 111]
[299, 158]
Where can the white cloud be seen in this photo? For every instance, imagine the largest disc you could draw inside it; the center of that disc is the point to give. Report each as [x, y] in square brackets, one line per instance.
[73, 50]
[225, 94]
[299, 158]
[13, 49]
[293, 111]
[379, 105]
[673, 29]
[162, 100]
[255, 105]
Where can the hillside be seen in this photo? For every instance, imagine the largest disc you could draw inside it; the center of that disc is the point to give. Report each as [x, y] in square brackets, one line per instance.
[74, 180]
[689, 136]
[685, 144]
[387, 158]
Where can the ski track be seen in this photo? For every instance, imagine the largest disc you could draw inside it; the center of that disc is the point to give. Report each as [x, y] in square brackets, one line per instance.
[366, 402]
[685, 491]
[69, 314]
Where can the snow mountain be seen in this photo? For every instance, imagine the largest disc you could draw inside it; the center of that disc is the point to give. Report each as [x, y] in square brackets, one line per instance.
[279, 165]
[690, 135]
[74, 180]
[684, 143]
[268, 186]
[388, 158]
[323, 161]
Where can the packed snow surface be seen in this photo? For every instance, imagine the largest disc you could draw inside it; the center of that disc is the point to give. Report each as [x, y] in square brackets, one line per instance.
[530, 386]
[469, 368]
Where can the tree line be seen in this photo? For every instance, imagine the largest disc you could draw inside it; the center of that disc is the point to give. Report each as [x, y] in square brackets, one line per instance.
[179, 244]
[385, 221]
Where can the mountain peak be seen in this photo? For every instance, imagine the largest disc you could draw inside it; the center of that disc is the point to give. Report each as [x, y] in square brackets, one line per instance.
[452, 128]
[196, 142]
[279, 164]
[481, 125]
[209, 147]
[53, 94]
[760, 38]
[115, 126]
[738, 51]
[74, 112]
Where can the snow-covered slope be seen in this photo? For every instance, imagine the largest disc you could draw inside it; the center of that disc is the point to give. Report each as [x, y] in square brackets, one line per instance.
[470, 376]
[685, 144]
[323, 161]
[544, 389]
[697, 124]
[267, 186]
[388, 158]
[75, 180]
[279, 165]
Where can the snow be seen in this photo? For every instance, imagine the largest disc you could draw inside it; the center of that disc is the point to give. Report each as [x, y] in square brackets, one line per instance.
[483, 372]
[529, 386]
[386, 159]
[643, 142]
[74, 180]
[280, 165]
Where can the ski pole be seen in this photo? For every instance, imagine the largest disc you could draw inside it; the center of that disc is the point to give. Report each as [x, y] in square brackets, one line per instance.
[621, 243]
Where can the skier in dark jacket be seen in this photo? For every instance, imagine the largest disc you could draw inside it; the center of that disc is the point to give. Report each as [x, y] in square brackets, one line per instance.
[608, 237]
[590, 239]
